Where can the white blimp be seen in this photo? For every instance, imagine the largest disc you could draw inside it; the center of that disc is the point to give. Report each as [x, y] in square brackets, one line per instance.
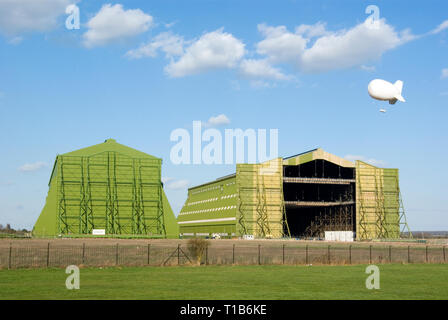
[386, 91]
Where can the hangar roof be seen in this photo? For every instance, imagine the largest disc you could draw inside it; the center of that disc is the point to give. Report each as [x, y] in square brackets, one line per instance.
[109, 145]
[317, 154]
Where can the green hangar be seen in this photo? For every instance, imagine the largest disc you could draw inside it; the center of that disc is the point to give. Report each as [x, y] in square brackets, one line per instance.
[302, 196]
[107, 190]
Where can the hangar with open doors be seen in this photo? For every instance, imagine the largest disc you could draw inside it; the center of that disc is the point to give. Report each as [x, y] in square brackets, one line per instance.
[301, 196]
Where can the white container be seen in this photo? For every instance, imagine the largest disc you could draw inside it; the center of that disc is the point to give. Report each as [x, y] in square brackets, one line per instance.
[344, 236]
[99, 232]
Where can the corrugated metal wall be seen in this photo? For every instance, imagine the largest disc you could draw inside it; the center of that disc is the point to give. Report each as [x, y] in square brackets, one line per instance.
[377, 202]
[260, 199]
[109, 191]
[210, 208]
[107, 186]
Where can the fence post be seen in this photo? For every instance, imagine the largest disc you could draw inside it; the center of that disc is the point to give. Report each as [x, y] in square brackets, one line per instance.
[116, 254]
[10, 256]
[259, 254]
[328, 255]
[206, 255]
[444, 256]
[350, 254]
[283, 254]
[306, 254]
[178, 254]
[83, 259]
[390, 254]
[233, 254]
[370, 254]
[409, 254]
[149, 252]
[426, 254]
[48, 254]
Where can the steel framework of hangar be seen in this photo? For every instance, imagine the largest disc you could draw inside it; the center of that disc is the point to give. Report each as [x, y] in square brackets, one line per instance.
[108, 187]
[299, 196]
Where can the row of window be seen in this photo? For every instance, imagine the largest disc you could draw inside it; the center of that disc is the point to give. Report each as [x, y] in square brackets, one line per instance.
[202, 201]
[212, 188]
[229, 196]
[212, 199]
[208, 210]
[222, 234]
[205, 189]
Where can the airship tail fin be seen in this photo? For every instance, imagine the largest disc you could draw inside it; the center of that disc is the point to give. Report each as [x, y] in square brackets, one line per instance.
[399, 98]
[399, 85]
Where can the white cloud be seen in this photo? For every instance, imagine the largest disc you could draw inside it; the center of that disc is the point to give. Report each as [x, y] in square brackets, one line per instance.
[373, 162]
[30, 167]
[440, 28]
[113, 23]
[261, 69]
[15, 40]
[171, 44]
[311, 31]
[368, 68]
[166, 179]
[309, 49]
[213, 50]
[331, 50]
[444, 73]
[169, 25]
[219, 120]
[280, 45]
[177, 184]
[173, 184]
[349, 48]
[19, 16]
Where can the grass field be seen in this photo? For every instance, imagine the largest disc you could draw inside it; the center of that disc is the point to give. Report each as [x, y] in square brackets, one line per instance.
[417, 281]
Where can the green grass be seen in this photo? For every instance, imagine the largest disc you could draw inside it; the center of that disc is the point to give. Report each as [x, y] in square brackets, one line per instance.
[414, 281]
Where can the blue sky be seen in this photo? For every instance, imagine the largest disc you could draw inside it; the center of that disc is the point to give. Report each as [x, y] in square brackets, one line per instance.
[137, 70]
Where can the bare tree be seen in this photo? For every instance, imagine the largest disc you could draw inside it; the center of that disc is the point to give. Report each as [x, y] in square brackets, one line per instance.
[196, 248]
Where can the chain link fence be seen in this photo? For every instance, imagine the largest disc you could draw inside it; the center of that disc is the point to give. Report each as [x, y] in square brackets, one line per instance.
[149, 254]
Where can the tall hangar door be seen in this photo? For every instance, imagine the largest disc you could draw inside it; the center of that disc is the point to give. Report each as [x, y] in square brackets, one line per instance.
[319, 196]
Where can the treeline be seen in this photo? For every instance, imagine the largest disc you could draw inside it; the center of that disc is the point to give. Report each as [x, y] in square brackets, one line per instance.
[7, 230]
[428, 234]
